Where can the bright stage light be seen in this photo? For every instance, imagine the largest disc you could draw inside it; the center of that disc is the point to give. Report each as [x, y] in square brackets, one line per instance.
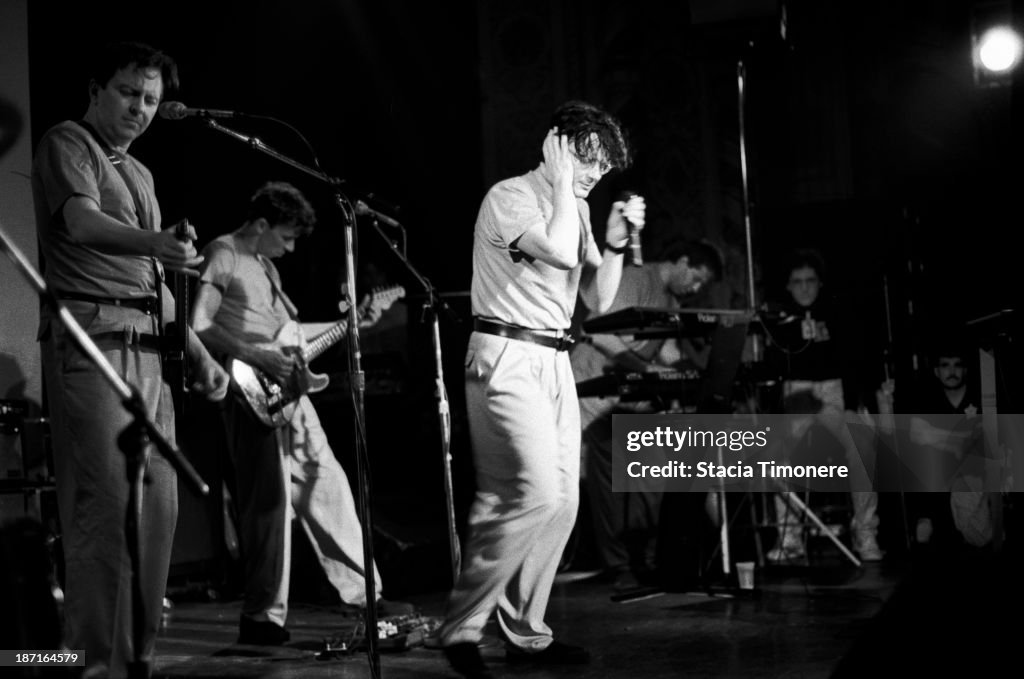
[999, 50]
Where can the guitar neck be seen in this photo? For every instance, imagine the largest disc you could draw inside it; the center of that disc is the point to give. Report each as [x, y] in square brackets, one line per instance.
[327, 338]
[324, 340]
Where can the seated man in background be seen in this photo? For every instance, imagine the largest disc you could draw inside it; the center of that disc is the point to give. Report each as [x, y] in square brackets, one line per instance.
[816, 356]
[624, 525]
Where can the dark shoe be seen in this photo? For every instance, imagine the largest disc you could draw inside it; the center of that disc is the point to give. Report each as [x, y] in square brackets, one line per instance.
[261, 632]
[466, 660]
[556, 653]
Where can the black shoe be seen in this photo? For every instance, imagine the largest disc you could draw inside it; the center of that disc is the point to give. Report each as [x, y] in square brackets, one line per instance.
[465, 659]
[261, 632]
[556, 653]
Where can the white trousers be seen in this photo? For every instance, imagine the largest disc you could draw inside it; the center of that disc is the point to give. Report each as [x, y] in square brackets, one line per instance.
[288, 473]
[865, 502]
[524, 426]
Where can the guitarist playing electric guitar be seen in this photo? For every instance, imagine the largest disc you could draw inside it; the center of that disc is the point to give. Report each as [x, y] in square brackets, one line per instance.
[244, 316]
[274, 401]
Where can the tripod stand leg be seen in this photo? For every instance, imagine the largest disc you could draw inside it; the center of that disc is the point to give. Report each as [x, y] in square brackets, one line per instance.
[795, 500]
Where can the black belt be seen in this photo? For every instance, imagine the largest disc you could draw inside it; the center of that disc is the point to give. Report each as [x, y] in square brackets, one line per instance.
[142, 339]
[146, 304]
[562, 343]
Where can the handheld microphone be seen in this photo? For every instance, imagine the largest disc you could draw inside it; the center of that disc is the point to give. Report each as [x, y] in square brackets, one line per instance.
[634, 232]
[365, 210]
[175, 110]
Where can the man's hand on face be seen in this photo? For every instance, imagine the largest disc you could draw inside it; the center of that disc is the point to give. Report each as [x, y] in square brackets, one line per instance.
[558, 165]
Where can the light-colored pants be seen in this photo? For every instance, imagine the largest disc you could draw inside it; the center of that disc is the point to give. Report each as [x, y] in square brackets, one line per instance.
[87, 417]
[282, 474]
[831, 415]
[524, 425]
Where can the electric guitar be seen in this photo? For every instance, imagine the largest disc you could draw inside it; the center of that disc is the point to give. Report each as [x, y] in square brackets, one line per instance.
[273, 403]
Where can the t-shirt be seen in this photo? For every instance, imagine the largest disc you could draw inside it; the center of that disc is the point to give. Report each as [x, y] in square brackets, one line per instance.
[251, 308]
[508, 285]
[69, 162]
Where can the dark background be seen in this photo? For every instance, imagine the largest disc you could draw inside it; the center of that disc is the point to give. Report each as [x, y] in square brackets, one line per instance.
[865, 131]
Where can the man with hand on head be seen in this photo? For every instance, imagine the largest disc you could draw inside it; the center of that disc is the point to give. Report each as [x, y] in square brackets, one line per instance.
[533, 251]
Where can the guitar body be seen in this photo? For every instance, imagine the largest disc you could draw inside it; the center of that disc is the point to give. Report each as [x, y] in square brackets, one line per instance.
[273, 403]
[266, 398]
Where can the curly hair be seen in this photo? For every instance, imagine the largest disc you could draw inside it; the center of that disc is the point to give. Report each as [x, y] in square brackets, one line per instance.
[117, 55]
[280, 203]
[581, 121]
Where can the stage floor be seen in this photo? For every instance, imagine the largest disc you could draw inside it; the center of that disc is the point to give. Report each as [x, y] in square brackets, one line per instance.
[800, 621]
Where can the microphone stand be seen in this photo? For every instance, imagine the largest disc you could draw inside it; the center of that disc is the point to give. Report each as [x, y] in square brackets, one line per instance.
[357, 381]
[134, 442]
[430, 310]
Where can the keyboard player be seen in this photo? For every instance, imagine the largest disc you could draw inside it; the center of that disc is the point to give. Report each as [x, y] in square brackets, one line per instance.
[624, 525]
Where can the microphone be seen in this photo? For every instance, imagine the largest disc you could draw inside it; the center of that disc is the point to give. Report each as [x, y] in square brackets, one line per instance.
[175, 110]
[365, 210]
[634, 232]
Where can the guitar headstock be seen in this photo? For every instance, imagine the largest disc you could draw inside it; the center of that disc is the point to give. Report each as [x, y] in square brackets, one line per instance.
[380, 300]
[376, 302]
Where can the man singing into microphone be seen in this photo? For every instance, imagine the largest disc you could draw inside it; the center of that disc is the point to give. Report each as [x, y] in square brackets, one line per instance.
[99, 233]
[533, 251]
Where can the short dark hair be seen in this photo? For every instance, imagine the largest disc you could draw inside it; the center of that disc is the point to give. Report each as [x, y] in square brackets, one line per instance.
[579, 120]
[698, 253]
[805, 257]
[114, 56]
[281, 204]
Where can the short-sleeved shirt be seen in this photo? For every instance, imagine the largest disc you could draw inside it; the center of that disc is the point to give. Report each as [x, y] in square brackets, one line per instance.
[251, 307]
[508, 285]
[69, 162]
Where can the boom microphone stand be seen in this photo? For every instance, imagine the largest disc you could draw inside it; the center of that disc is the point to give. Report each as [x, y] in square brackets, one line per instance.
[741, 80]
[134, 442]
[430, 309]
[357, 381]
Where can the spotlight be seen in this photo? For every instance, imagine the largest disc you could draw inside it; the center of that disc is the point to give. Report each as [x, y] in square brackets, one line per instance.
[997, 48]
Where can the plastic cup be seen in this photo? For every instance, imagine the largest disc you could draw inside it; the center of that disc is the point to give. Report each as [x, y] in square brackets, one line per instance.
[745, 574]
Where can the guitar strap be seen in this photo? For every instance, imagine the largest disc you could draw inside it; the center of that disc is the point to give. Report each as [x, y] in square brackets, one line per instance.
[172, 344]
[292, 310]
[144, 216]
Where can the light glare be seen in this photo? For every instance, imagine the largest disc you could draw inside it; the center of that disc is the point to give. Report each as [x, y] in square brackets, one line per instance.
[999, 50]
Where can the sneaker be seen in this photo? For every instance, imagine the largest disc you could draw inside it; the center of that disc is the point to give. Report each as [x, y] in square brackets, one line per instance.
[867, 548]
[261, 632]
[466, 660]
[556, 653]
